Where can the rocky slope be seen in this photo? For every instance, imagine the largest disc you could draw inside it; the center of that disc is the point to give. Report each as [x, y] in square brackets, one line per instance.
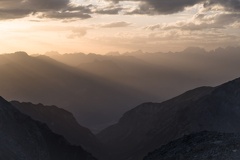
[200, 146]
[151, 125]
[22, 138]
[62, 122]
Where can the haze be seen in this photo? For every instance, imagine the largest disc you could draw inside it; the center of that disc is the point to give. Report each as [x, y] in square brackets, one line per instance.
[129, 44]
[98, 89]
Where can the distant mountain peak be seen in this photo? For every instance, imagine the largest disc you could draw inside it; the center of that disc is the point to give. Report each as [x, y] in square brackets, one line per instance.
[113, 54]
[22, 53]
[52, 53]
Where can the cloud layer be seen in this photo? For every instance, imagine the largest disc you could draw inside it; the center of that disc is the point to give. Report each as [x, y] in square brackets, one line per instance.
[65, 9]
[11, 9]
[174, 6]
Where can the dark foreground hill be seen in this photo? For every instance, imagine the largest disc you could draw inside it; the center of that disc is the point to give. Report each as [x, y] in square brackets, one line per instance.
[22, 138]
[200, 146]
[63, 122]
[151, 125]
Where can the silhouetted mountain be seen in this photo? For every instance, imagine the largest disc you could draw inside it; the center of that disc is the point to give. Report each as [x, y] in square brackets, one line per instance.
[63, 123]
[159, 81]
[100, 88]
[214, 66]
[194, 50]
[151, 125]
[113, 54]
[211, 67]
[74, 59]
[200, 146]
[22, 138]
[94, 101]
[159, 74]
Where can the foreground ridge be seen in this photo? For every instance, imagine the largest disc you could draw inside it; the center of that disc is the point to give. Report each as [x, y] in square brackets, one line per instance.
[200, 146]
[22, 138]
[151, 125]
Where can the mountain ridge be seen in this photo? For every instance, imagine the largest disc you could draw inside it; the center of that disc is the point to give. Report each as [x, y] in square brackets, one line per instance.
[23, 138]
[63, 123]
[151, 125]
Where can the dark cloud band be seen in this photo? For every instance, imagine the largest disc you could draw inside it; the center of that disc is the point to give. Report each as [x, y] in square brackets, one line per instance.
[61, 9]
[174, 6]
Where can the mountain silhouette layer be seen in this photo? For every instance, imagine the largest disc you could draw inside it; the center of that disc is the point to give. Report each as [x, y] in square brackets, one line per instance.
[22, 138]
[98, 89]
[63, 123]
[160, 74]
[150, 125]
[94, 101]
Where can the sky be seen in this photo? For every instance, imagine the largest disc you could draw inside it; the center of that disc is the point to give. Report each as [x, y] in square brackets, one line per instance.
[102, 26]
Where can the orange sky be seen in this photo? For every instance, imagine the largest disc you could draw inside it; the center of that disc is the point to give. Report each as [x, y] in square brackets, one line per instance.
[102, 26]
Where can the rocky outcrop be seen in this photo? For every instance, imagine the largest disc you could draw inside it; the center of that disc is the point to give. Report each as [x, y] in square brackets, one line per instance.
[200, 146]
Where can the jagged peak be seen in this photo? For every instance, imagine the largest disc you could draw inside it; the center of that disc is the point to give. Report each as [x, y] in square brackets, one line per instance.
[17, 54]
[22, 53]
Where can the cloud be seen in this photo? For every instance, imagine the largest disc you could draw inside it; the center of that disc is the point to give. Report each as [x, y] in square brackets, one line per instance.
[161, 6]
[230, 5]
[64, 15]
[66, 9]
[174, 6]
[77, 32]
[201, 22]
[169, 40]
[13, 13]
[70, 31]
[45, 4]
[61, 9]
[116, 25]
[111, 9]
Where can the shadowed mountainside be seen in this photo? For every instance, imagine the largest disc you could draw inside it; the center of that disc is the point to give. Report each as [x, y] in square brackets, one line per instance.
[63, 123]
[200, 146]
[22, 138]
[151, 125]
